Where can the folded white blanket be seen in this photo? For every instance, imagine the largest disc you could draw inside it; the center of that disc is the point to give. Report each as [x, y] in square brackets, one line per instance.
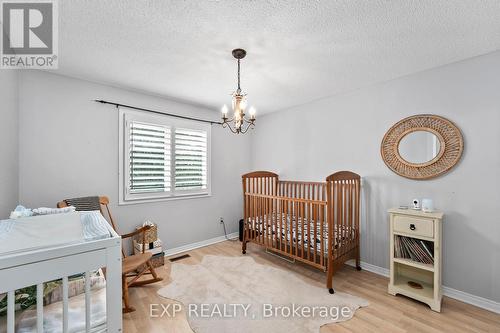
[48, 211]
[94, 225]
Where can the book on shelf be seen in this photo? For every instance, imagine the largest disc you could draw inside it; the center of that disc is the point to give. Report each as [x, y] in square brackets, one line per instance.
[414, 249]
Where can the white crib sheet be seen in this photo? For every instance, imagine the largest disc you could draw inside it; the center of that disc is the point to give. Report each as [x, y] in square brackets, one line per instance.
[44, 231]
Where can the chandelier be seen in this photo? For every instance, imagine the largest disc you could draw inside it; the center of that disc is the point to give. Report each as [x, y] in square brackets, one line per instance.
[238, 123]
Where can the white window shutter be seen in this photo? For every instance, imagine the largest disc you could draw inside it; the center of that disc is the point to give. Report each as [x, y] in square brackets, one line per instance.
[150, 158]
[191, 159]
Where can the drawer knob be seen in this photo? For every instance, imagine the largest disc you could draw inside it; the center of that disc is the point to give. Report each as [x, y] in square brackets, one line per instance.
[412, 227]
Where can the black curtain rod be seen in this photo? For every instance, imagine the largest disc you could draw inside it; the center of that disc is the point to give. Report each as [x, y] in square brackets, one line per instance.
[157, 112]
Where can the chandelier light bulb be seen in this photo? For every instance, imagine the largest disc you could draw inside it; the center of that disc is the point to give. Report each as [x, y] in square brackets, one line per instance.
[252, 112]
[224, 110]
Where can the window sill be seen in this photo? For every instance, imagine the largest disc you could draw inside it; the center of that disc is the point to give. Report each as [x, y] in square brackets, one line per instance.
[178, 197]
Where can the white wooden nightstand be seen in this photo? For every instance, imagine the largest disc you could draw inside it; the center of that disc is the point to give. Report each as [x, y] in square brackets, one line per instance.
[421, 228]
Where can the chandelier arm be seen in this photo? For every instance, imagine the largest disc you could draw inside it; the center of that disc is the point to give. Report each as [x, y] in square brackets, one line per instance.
[250, 121]
[231, 128]
[250, 125]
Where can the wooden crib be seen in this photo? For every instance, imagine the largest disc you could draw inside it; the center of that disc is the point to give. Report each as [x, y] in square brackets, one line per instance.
[313, 222]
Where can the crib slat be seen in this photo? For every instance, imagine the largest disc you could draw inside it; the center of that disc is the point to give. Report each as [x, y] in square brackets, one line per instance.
[292, 228]
[264, 218]
[252, 208]
[283, 226]
[344, 214]
[264, 221]
[262, 214]
[276, 211]
[39, 308]
[263, 224]
[296, 215]
[308, 213]
[87, 301]
[266, 214]
[270, 211]
[348, 215]
[11, 324]
[288, 226]
[345, 218]
[258, 216]
[285, 217]
[318, 218]
[351, 216]
[315, 227]
[65, 304]
[281, 208]
[321, 233]
[270, 219]
[250, 214]
[341, 219]
[275, 220]
[303, 226]
[337, 224]
[255, 217]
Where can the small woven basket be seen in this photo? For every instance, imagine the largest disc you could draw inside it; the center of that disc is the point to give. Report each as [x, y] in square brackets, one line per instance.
[151, 235]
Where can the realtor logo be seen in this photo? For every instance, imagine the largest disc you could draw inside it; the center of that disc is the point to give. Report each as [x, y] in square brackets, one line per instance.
[29, 34]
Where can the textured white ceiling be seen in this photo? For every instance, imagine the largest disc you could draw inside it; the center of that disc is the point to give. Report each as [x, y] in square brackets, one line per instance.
[298, 51]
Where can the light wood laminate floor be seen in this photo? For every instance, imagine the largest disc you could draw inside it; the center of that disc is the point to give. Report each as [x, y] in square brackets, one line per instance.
[385, 313]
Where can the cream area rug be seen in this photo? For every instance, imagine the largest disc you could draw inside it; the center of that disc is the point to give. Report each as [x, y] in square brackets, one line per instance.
[236, 294]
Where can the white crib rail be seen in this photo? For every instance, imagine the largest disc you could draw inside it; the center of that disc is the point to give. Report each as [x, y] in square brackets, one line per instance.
[65, 304]
[39, 266]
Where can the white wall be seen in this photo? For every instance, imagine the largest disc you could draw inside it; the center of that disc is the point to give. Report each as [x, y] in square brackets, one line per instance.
[344, 132]
[69, 147]
[8, 142]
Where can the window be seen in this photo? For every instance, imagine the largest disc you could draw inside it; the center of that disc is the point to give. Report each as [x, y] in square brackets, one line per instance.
[162, 157]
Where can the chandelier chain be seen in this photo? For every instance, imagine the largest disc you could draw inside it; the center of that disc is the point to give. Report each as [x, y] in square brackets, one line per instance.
[239, 89]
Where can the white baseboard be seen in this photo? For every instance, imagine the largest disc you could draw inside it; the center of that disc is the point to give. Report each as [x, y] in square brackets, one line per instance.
[480, 302]
[189, 247]
[461, 296]
[370, 268]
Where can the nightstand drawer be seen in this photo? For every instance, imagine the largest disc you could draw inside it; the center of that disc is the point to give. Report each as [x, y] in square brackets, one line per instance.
[414, 226]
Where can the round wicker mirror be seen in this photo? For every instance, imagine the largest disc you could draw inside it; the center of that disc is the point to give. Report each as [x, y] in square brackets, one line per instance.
[422, 146]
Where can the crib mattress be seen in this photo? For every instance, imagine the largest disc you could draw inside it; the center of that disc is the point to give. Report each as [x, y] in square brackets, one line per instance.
[45, 231]
[342, 233]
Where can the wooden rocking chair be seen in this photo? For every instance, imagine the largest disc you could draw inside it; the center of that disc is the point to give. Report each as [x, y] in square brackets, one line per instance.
[133, 266]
